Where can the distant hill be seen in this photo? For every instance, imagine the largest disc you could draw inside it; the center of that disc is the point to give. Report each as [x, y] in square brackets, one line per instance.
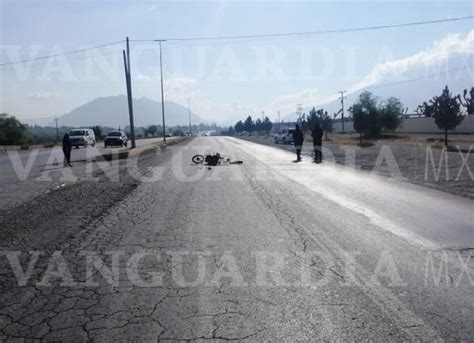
[410, 94]
[113, 111]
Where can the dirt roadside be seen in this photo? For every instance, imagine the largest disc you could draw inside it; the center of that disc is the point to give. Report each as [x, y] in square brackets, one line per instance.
[52, 218]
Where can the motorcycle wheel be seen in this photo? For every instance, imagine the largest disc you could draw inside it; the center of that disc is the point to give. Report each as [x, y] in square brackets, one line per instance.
[198, 159]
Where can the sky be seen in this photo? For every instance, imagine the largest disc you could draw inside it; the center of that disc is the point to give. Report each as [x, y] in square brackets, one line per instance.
[227, 79]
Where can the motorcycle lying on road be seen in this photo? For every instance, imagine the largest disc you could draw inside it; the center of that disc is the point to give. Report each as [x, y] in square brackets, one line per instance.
[213, 160]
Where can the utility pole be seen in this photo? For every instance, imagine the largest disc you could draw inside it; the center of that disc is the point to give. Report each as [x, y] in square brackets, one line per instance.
[263, 112]
[299, 110]
[342, 113]
[189, 113]
[279, 121]
[57, 131]
[128, 79]
[162, 93]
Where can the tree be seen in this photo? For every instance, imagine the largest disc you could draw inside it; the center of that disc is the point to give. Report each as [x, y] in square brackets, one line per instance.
[391, 114]
[326, 123]
[267, 125]
[468, 102]
[231, 131]
[447, 112]
[12, 131]
[97, 131]
[258, 126]
[239, 127]
[312, 119]
[249, 125]
[178, 132]
[425, 110]
[371, 116]
[152, 130]
[364, 114]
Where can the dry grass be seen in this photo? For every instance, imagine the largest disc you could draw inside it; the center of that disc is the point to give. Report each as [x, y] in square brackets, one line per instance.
[463, 140]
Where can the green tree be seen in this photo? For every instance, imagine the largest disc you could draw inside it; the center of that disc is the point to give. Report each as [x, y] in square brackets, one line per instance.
[425, 110]
[249, 125]
[178, 132]
[391, 114]
[258, 126]
[326, 123]
[312, 119]
[371, 116]
[267, 125]
[364, 111]
[239, 127]
[97, 131]
[447, 112]
[12, 131]
[152, 130]
[467, 101]
[231, 131]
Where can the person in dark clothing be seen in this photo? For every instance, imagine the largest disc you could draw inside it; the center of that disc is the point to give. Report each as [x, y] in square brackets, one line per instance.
[67, 150]
[298, 138]
[317, 135]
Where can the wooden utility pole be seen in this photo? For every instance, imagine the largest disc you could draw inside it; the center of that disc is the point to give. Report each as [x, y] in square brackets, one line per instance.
[342, 113]
[128, 79]
[189, 115]
[57, 130]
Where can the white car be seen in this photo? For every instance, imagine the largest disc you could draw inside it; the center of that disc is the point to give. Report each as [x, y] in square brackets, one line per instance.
[82, 137]
[284, 136]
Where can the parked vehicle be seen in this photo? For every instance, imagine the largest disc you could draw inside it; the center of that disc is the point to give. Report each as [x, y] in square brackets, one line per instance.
[115, 138]
[284, 136]
[82, 137]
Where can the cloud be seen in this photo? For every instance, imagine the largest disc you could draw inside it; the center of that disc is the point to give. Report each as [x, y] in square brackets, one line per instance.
[453, 47]
[39, 96]
[143, 77]
[180, 82]
[435, 58]
[426, 62]
[307, 97]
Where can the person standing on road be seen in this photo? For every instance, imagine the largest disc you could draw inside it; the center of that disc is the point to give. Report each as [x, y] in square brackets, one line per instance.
[317, 135]
[67, 150]
[298, 138]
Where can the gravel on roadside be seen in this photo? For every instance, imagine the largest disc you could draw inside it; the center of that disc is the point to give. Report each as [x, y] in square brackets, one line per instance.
[51, 218]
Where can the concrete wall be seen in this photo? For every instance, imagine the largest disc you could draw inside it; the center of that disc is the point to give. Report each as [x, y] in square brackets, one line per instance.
[417, 125]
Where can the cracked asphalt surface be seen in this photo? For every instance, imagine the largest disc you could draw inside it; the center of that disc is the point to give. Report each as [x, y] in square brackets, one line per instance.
[236, 252]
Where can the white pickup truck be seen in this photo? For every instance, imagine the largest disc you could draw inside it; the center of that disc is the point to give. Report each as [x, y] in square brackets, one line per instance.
[284, 136]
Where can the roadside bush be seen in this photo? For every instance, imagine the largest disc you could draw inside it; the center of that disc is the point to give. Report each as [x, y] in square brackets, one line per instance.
[372, 117]
[12, 131]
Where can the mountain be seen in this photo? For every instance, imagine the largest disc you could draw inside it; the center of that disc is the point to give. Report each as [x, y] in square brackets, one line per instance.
[112, 111]
[411, 94]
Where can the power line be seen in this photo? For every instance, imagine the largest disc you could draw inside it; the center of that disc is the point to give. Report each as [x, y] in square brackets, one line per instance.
[61, 54]
[342, 108]
[383, 85]
[317, 32]
[240, 37]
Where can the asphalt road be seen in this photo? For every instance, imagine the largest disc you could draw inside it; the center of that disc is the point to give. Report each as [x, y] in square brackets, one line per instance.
[20, 170]
[268, 250]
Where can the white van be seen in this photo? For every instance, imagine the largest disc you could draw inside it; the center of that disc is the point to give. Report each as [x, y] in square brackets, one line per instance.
[284, 136]
[82, 137]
